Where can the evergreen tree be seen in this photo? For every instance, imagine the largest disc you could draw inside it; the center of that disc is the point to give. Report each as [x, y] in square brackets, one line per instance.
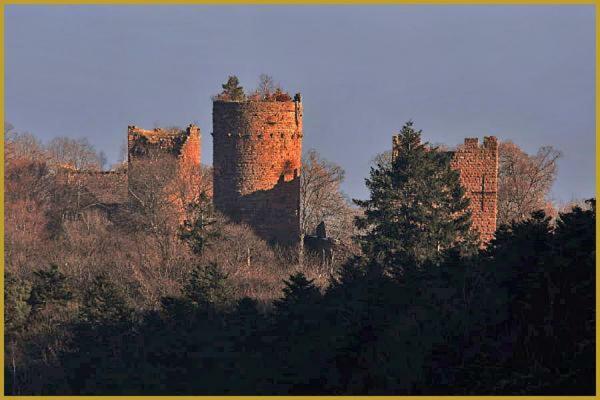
[298, 356]
[417, 210]
[16, 307]
[299, 293]
[103, 341]
[232, 89]
[49, 286]
[103, 303]
[16, 313]
[245, 326]
[208, 288]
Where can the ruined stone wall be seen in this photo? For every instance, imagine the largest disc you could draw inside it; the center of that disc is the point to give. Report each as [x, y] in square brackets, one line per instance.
[182, 148]
[143, 143]
[167, 161]
[189, 153]
[478, 167]
[257, 156]
[188, 174]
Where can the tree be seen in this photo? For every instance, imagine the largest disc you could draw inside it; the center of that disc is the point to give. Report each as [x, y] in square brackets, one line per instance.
[299, 294]
[297, 335]
[384, 159]
[207, 287]
[232, 90]
[16, 293]
[266, 86]
[524, 181]
[417, 210]
[16, 312]
[73, 153]
[152, 190]
[103, 303]
[321, 198]
[203, 228]
[22, 145]
[49, 287]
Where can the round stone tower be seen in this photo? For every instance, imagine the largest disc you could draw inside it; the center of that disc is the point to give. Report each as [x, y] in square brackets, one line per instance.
[257, 156]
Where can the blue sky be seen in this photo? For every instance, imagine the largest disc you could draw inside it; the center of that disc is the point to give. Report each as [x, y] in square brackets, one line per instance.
[522, 73]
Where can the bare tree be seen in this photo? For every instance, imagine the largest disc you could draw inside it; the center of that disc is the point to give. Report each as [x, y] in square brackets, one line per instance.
[123, 155]
[266, 86]
[384, 159]
[22, 145]
[321, 198]
[524, 181]
[102, 159]
[152, 195]
[75, 153]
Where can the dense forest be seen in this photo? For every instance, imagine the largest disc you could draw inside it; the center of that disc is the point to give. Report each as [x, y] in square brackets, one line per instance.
[411, 303]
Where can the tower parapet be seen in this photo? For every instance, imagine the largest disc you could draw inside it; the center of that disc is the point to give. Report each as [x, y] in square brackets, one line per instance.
[257, 156]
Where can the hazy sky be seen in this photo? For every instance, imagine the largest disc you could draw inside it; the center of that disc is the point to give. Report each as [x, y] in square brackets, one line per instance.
[522, 73]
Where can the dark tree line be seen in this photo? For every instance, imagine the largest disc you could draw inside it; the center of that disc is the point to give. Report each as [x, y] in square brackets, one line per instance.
[423, 310]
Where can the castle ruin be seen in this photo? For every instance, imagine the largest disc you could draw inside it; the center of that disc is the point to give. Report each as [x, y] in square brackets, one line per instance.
[147, 150]
[257, 160]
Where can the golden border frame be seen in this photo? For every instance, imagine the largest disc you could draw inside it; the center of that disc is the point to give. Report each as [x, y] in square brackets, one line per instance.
[4, 3]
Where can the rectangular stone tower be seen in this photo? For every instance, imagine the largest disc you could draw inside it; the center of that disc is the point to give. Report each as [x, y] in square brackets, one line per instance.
[478, 168]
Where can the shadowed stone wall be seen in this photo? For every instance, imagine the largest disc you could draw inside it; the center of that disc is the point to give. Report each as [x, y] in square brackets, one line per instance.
[257, 156]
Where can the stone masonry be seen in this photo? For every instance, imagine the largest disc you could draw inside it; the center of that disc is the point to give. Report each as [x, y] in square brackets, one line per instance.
[109, 189]
[184, 145]
[152, 153]
[257, 156]
[478, 168]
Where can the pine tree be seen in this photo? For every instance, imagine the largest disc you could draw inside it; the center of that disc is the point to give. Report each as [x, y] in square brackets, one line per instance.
[417, 210]
[49, 286]
[232, 89]
[299, 294]
[102, 341]
[16, 293]
[103, 302]
[207, 287]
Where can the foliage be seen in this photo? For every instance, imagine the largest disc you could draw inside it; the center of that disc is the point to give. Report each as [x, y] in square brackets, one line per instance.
[417, 210]
[103, 303]
[321, 198]
[16, 308]
[232, 91]
[203, 229]
[49, 287]
[524, 181]
[132, 310]
[519, 318]
[207, 287]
